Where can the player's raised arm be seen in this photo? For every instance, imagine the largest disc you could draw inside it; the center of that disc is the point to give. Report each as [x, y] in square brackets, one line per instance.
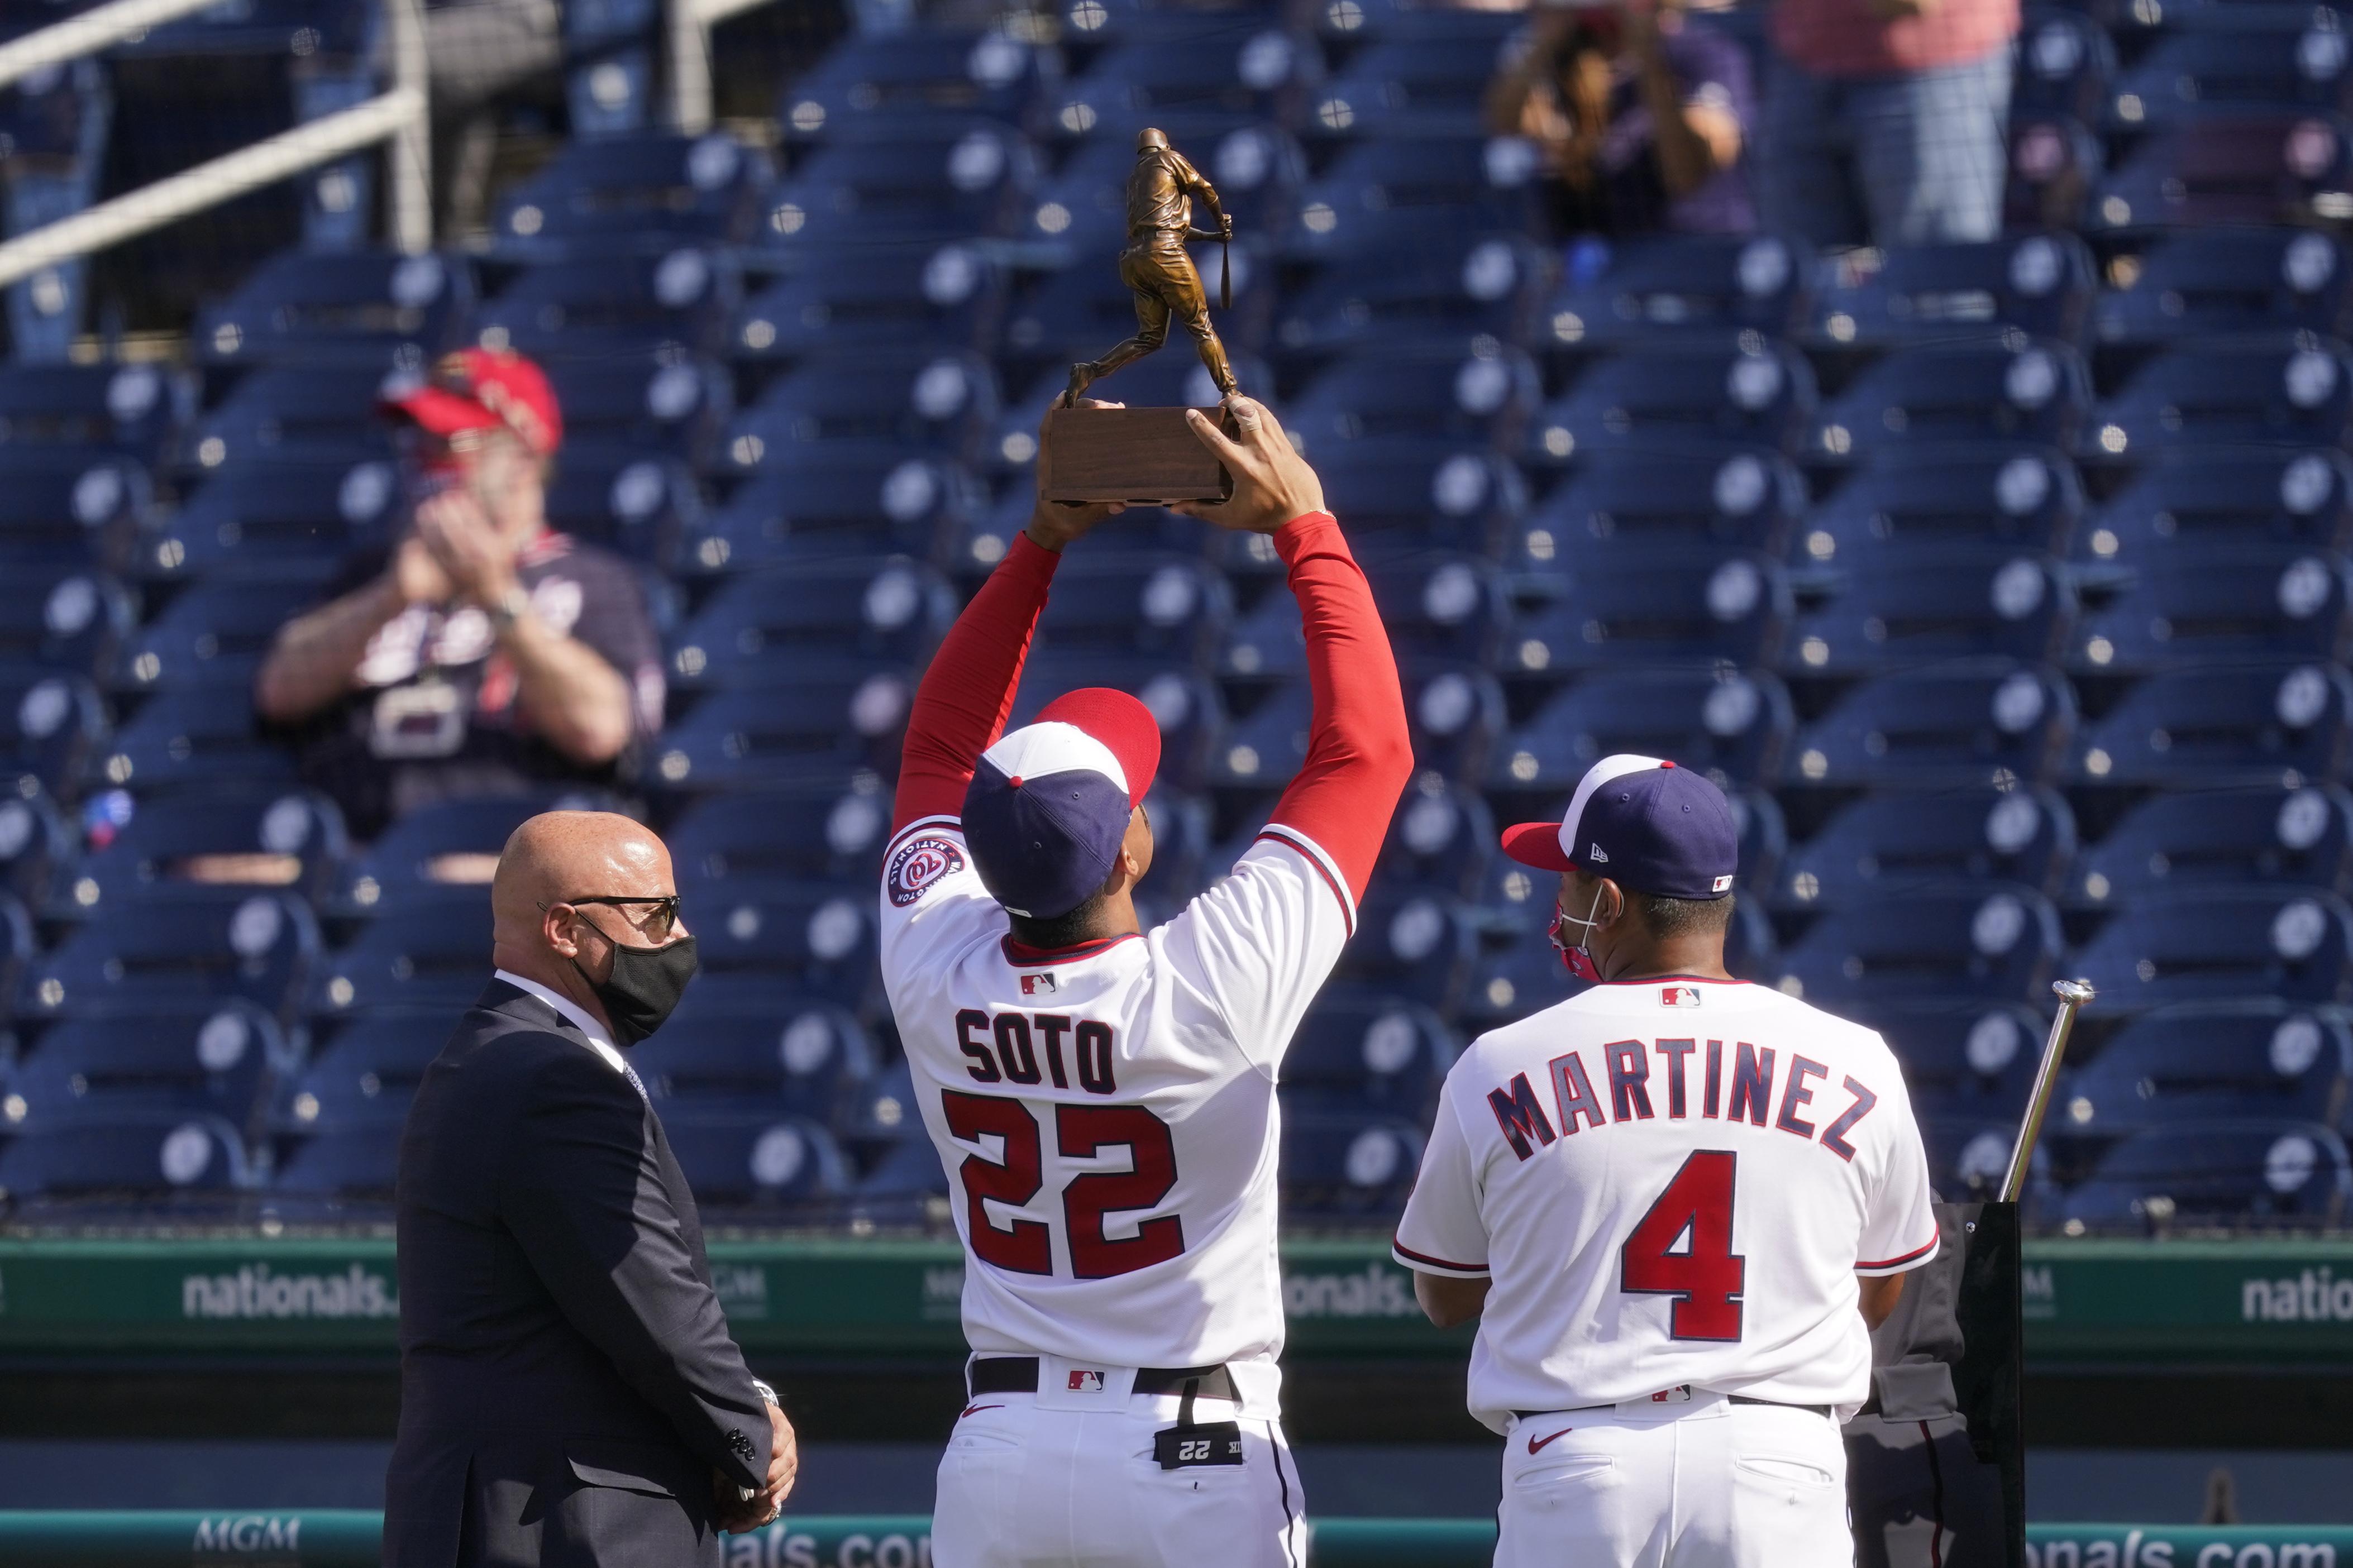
[1359, 755]
[965, 695]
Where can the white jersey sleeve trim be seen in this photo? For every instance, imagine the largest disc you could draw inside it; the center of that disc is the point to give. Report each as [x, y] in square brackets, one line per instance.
[953, 823]
[1910, 1260]
[1294, 838]
[1421, 1264]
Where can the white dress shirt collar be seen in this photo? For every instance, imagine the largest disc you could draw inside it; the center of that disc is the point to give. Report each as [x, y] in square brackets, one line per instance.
[598, 1039]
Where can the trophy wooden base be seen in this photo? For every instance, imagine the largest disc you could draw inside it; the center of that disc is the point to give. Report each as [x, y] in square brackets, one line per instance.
[1149, 456]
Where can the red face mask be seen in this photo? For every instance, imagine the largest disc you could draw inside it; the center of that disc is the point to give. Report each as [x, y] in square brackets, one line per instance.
[1577, 960]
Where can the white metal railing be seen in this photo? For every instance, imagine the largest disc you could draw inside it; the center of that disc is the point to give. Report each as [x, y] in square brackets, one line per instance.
[399, 116]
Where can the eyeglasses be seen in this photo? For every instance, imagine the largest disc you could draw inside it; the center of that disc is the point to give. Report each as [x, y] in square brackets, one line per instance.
[658, 925]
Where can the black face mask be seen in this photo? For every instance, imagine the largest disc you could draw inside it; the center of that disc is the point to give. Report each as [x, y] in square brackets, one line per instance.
[645, 985]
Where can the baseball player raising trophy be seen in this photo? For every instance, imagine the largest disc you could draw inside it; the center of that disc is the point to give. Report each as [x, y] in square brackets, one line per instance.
[1104, 1098]
[1677, 1204]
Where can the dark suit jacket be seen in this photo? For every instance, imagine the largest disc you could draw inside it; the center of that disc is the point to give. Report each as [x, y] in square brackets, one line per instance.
[567, 1383]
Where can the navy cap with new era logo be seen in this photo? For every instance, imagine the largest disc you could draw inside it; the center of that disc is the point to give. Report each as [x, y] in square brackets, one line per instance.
[1643, 823]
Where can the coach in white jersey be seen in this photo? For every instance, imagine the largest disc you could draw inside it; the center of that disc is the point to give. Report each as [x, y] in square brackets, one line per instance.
[1103, 1097]
[1677, 1204]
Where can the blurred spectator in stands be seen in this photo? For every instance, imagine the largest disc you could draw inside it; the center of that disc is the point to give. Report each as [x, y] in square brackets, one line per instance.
[482, 54]
[482, 653]
[1641, 113]
[1883, 120]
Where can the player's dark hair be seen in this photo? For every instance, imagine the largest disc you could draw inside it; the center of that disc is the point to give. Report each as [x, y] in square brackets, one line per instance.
[1064, 930]
[1668, 917]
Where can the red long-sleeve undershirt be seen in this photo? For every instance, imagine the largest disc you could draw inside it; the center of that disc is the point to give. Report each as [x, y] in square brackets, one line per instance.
[1359, 756]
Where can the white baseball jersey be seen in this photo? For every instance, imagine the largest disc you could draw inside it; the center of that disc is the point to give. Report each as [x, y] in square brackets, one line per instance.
[1670, 1181]
[1106, 1113]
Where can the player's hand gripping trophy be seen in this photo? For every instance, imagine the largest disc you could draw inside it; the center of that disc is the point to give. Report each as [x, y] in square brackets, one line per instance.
[1155, 265]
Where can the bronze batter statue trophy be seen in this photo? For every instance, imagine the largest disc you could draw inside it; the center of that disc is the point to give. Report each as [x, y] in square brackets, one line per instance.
[1148, 455]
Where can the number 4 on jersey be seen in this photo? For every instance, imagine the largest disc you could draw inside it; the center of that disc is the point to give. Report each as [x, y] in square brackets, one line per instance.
[1704, 1274]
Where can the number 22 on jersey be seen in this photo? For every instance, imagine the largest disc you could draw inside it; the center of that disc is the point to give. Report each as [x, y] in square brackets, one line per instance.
[1703, 1273]
[1081, 1132]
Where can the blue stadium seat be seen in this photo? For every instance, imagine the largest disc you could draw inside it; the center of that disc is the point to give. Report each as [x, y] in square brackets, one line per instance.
[2231, 1173]
[746, 1159]
[921, 404]
[455, 841]
[2231, 166]
[327, 413]
[2036, 283]
[1356, 1052]
[1962, 1058]
[52, 727]
[2233, 495]
[1443, 838]
[1164, 609]
[780, 946]
[1191, 63]
[1412, 946]
[1455, 714]
[2267, 391]
[73, 622]
[1263, 744]
[951, 296]
[2240, 56]
[769, 838]
[907, 182]
[267, 512]
[2198, 944]
[1472, 392]
[613, 305]
[642, 504]
[1697, 398]
[1748, 501]
[179, 947]
[834, 501]
[294, 841]
[131, 410]
[1650, 605]
[2065, 59]
[153, 1152]
[1968, 1155]
[799, 1064]
[69, 506]
[2204, 281]
[1519, 970]
[1340, 1163]
[1182, 861]
[1641, 290]
[201, 735]
[1451, 283]
[1961, 940]
[1973, 721]
[2054, 162]
[1256, 169]
[2302, 836]
[216, 633]
[368, 1073]
[877, 78]
[657, 189]
[374, 308]
[1896, 607]
[2201, 603]
[223, 1061]
[358, 1160]
[2211, 1061]
[1991, 389]
[1185, 705]
[765, 624]
[1885, 844]
[1432, 605]
[36, 846]
[2028, 497]
[1423, 493]
[1423, 73]
[1732, 726]
[812, 729]
[428, 952]
[661, 403]
[1401, 193]
[2255, 724]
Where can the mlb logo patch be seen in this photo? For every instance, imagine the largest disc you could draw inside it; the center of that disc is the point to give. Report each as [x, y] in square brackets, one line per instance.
[1036, 984]
[1678, 995]
[1083, 1381]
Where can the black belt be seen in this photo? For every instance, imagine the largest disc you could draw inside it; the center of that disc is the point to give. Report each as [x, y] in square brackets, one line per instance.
[1018, 1374]
[1821, 1410]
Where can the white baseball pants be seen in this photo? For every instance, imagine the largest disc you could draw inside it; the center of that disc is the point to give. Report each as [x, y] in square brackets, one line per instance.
[1026, 1487]
[1711, 1485]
